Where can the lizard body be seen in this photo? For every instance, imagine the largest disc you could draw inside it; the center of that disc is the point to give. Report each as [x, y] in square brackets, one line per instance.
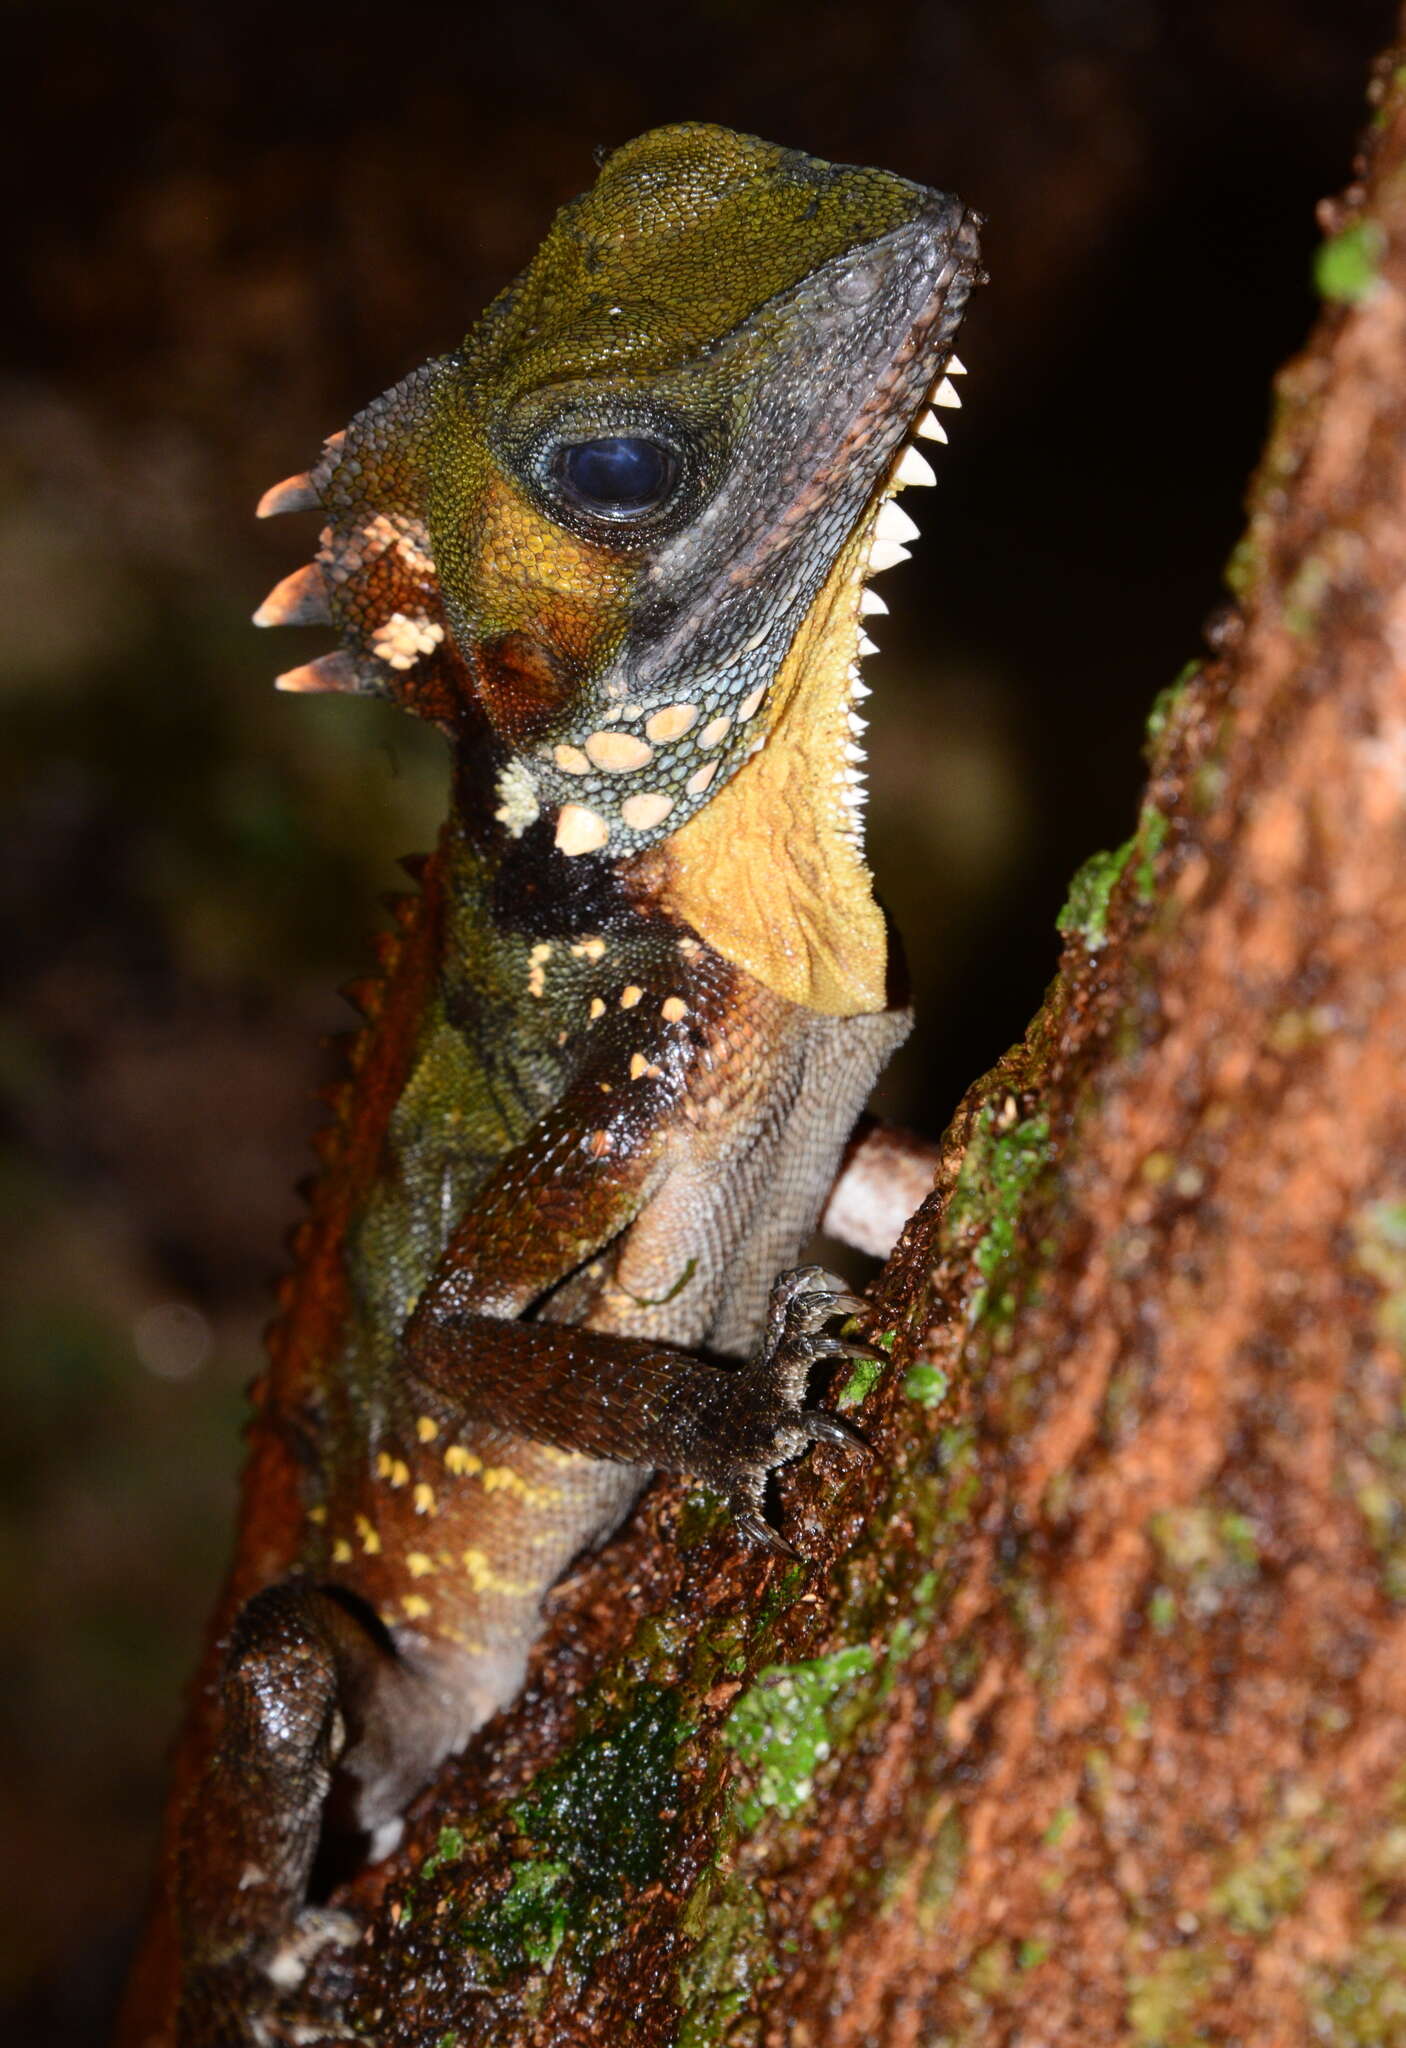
[616, 548]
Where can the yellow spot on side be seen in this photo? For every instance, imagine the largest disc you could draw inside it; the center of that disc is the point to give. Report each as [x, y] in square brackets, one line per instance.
[503, 1479]
[319, 1513]
[425, 1502]
[673, 1009]
[715, 732]
[571, 760]
[640, 1067]
[597, 1007]
[414, 1606]
[341, 1551]
[630, 996]
[484, 1579]
[461, 1462]
[426, 1428]
[699, 780]
[383, 1464]
[400, 1472]
[418, 1565]
[370, 1541]
[590, 949]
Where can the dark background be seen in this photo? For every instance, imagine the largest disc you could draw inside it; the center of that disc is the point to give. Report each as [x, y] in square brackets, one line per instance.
[233, 227]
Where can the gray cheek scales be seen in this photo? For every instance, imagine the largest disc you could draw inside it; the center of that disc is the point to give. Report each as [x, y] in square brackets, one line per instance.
[629, 778]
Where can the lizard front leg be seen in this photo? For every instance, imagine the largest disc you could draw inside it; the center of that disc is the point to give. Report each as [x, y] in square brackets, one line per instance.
[576, 1186]
[642, 1403]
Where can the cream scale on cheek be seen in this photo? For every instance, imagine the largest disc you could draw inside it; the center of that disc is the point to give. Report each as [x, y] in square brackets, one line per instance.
[813, 933]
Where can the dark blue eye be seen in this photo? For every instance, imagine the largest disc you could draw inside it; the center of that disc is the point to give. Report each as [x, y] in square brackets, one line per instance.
[619, 475]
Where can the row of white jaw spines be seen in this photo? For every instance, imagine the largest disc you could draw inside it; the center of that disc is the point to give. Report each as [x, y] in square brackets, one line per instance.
[890, 531]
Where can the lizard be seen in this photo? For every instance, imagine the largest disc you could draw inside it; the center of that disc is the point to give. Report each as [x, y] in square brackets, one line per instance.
[617, 547]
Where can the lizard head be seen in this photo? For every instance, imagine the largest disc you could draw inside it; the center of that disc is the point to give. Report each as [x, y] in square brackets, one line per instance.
[617, 544]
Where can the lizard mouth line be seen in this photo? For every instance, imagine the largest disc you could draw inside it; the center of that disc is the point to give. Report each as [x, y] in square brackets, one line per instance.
[884, 537]
[794, 809]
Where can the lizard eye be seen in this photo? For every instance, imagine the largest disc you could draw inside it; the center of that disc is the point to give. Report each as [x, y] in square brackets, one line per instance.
[617, 477]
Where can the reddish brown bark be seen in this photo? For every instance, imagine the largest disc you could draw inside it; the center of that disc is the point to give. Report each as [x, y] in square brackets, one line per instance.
[1115, 1750]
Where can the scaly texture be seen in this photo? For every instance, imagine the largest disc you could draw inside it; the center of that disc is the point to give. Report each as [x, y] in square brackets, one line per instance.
[616, 548]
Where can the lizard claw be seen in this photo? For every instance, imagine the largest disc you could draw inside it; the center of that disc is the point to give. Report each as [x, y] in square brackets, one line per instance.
[803, 1301]
[761, 1532]
[829, 1429]
[848, 1347]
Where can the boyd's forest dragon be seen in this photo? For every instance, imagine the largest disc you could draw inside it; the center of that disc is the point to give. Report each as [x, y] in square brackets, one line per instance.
[617, 548]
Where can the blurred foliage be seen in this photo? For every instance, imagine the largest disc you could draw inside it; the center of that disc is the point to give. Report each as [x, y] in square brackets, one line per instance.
[234, 226]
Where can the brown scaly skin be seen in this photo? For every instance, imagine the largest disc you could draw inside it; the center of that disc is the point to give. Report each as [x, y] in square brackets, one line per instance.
[625, 1029]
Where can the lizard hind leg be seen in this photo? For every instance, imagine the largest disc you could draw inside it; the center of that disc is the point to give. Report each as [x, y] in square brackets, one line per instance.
[306, 1780]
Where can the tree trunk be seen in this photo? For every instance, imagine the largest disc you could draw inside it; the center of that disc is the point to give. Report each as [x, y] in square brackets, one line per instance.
[1085, 1719]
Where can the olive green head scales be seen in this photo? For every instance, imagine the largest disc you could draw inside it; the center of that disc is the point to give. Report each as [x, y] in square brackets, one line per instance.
[585, 541]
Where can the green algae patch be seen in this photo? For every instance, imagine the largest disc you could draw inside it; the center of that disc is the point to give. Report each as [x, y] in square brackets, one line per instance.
[1163, 2002]
[1243, 567]
[598, 1828]
[599, 1810]
[865, 1373]
[864, 1377]
[1346, 266]
[1000, 1168]
[1379, 1235]
[726, 1916]
[1165, 706]
[908, 1630]
[1085, 912]
[1303, 599]
[1364, 2006]
[1270, 1877]
[1269, 1885]
[783, 1727]
[1151, 838]
[1210, 1552]
[925, 1384]
[1059, 1827]
[448, 1849]
[1375, 1471]
[526, 1924]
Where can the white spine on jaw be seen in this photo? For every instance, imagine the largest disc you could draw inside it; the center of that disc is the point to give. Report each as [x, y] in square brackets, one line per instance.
[582, 830]
[890, 528]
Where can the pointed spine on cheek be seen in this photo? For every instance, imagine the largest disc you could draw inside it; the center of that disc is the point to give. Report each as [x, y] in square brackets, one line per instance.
[299, 600]
[294, 494]
[328, 672]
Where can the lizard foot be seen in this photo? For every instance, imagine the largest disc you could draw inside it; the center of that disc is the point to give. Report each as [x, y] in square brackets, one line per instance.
[775, 1427]
[314, 1928]
[286, 2021]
